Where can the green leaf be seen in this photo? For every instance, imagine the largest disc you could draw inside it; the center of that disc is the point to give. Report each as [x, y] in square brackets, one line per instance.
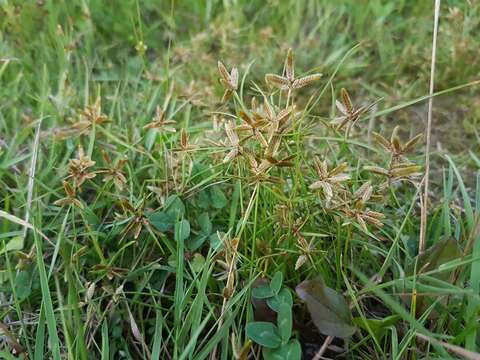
[276, 283]
[436, 255]
[284, 321]
[5, 355]
[197, 262]
[200, 172]
[291, 351]
[284, 296]
[91, 217]
[198, 241]
[205, 223]
[23, 285]
[174, 205]
[182, 230]
[15, 243]
[264, 333]
[203, 200]
[215, 241]
[328, 309]
[377, 326]
[219, 201]
[162, 220]
[262, 292]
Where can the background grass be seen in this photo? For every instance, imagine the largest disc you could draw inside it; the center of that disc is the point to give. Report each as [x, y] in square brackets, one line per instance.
[93, 291]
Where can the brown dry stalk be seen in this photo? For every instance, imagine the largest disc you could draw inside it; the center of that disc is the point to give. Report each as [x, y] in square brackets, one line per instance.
[423, 218]
[321, 351]
[457, 350]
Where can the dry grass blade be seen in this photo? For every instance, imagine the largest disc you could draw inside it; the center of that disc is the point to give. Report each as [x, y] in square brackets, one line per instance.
[23, 223]
[457, 350]
[137, 334]
[424, 210]
[323, 348]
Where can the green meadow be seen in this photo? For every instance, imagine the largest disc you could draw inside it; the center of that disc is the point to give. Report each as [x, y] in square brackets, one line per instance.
[239, 179]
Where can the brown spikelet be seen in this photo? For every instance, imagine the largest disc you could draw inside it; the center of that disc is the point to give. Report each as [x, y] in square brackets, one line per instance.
[364, 192]
[234, 78]
[339, 169]
[347, 103]
[273, 145]
[410, 145]
[376, 170]
[226, 95]
[306, 80]
[289, 66]
[395, 140]
[183, 138]
[69, 190]
[268, 109]
[223, 72]
[278, 81]
[405, 170]
[382, 141]
[284, 114]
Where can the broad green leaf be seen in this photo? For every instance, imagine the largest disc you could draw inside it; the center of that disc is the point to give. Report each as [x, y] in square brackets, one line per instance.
[174, 205]
[197, 262]
[276, 283]
[291, 351]
[262, 292]
[203, 200]
[436, 255]
[162, 220]
[284, 321]
[328, 309]
[23, 284]
[205, 223]
[196, 242]
[91, 217]
[200, 171]
[284, 296]
[219, 201]
[215, 241]
[431, 259]
[15, 243]
[182, 230]
[264, 333]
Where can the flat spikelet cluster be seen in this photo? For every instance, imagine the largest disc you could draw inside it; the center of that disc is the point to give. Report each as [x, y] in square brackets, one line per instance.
[257, 148]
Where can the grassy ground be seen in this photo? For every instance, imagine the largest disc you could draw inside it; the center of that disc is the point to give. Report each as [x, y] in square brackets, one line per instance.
[157, 234]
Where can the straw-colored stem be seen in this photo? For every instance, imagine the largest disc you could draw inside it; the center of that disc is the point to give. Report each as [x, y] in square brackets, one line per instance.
[423, 218]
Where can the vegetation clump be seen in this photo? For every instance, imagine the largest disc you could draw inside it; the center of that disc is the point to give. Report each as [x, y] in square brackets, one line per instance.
[210, 193]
